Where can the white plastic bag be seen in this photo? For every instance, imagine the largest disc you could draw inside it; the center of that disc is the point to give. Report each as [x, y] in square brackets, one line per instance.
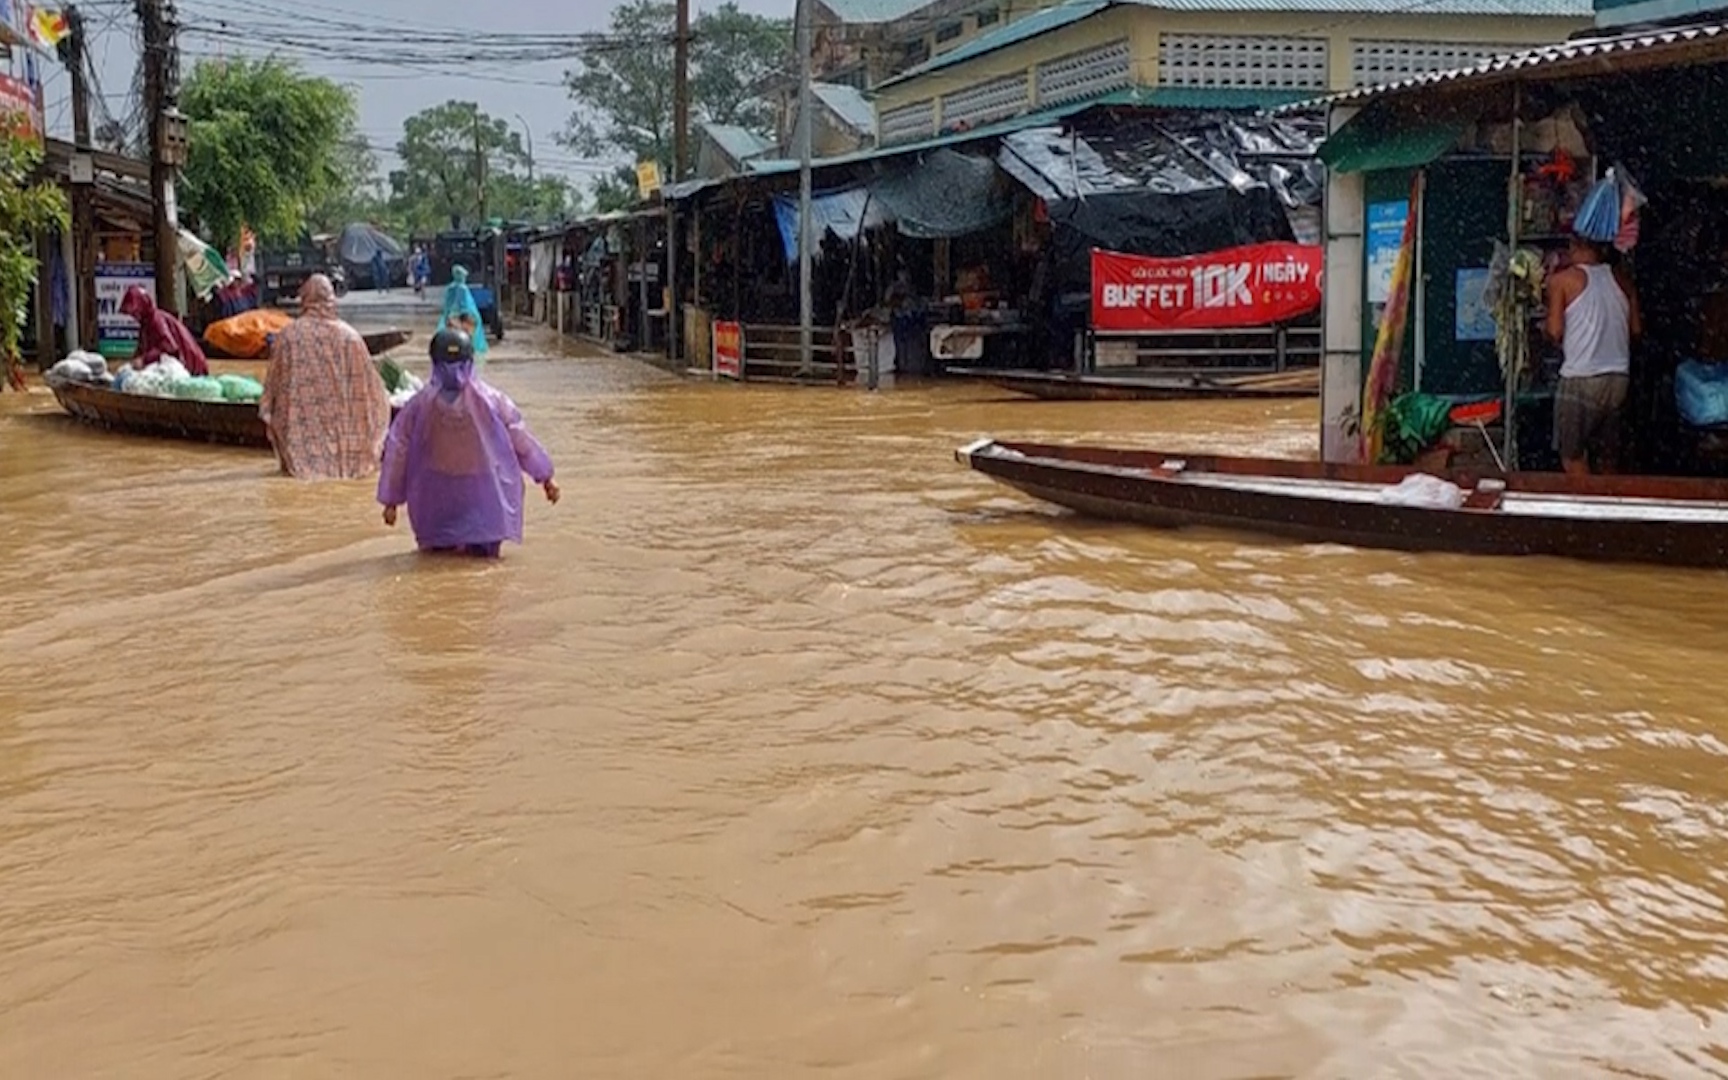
[1422, 490]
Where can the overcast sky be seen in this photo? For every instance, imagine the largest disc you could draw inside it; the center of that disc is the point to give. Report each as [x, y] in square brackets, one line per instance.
[388, 93]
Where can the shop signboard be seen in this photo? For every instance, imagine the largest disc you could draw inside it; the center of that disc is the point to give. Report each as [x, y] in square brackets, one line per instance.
[18, 111]
[117, 334]
[1254, 285]
[1385, 237]
[729, 350]
[647, 179]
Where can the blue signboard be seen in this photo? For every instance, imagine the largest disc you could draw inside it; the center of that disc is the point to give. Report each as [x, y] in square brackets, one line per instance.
[1385, 236]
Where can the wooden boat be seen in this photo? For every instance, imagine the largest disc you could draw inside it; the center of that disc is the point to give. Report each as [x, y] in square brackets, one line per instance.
[176, 418]
[1067, 386]
[1645, 519]
[379, 342]
[230, 423]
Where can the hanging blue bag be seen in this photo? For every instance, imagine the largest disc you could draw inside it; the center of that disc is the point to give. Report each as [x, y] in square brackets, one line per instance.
[1599, 218]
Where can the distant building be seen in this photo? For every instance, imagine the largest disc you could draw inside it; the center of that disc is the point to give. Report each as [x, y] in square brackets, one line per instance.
[845, 120]
[725, 149]
[1199, 53]
[861, 43]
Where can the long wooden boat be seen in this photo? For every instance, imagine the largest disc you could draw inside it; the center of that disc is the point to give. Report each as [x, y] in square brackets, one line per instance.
[176, 418]
[226, 422]
[379, 342]
[1671, 521]
[1067, 386]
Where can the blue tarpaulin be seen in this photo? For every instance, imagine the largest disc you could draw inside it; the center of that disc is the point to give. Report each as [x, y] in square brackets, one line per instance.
[843, 212]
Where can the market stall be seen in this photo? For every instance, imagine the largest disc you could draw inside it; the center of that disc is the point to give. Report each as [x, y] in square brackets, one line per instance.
[1455, 200]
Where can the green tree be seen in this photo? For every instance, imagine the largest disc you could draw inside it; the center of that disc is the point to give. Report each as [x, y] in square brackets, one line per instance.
[622, 82]
[732, 54]
[27, 206]
[454, 157]
[356, 196]
[546, 199]
[266, 146]
[615, 191]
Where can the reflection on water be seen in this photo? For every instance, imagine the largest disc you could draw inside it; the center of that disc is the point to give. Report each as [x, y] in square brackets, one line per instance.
[787, 747]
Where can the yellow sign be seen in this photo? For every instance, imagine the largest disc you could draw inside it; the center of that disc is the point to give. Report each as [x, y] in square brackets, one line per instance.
[647, 178]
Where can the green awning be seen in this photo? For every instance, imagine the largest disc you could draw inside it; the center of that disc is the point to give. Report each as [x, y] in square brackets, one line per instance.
[1377, 139]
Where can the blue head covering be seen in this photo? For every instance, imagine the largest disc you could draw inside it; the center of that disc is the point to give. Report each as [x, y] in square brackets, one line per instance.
[459, 301]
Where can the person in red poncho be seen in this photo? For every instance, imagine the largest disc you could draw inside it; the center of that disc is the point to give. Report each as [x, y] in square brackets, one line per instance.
[161, 334]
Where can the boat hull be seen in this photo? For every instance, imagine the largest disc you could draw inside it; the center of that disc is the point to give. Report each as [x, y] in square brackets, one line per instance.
[226, 423]
[173, 418]
[1058, 386]
[1640, 520]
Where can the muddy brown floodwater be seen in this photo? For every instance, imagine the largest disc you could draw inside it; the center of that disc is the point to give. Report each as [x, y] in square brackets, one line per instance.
[786, 748]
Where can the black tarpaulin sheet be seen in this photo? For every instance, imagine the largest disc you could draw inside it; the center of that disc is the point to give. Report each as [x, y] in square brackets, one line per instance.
[1178, 184]
[946, 194]
[1160, 226]
[360, 241]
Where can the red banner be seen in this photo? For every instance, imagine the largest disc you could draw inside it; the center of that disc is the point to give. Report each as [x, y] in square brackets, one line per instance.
[18, 112]
[729, 350]
[1245, 286]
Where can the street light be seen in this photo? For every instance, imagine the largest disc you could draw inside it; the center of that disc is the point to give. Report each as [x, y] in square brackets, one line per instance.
[529, 132]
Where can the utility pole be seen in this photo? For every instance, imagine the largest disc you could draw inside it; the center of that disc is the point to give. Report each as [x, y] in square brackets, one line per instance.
[681, 94]
[161, 62]
[83, 187]
[480, 170]
[806, 344]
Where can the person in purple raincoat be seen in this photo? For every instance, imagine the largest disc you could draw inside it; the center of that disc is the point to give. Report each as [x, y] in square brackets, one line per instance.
[455, 457]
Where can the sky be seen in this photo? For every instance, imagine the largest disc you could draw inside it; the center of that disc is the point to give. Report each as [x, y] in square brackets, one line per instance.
[529, 95]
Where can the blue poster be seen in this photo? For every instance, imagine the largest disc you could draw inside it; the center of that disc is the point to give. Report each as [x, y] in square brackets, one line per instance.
[1385, 235]
[1474, 320]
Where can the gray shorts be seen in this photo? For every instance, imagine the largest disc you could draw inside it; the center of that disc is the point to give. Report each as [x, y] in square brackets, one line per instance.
[1587, 416]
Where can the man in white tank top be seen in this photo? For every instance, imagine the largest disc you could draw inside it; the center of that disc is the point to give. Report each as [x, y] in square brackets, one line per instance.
[1593, 317]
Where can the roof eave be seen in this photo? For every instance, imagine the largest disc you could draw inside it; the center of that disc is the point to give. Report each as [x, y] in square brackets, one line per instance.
[1616, 54]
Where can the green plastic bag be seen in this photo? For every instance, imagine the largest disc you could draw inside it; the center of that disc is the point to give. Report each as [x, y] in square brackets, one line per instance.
[240, 388]
[197, 388]
[1410, 424]
[391, 372]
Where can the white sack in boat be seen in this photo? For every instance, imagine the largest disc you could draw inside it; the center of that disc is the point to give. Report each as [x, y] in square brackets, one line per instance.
[1420, 489]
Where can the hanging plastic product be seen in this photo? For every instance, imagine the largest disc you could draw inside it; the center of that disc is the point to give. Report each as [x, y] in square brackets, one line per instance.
[1632, 200]
[1598, 218]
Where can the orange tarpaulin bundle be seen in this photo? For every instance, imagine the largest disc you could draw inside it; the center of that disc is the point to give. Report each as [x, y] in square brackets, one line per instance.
[245, 336]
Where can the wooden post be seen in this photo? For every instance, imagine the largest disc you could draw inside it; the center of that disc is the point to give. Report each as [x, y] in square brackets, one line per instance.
[681, 93]
[160, 61]
[674, 305]
[43, 314]
[81, 273]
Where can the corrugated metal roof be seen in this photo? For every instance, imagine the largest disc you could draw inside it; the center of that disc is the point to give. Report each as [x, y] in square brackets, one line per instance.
[1048, 19]
[740, 144]
[1167, 97]
[849, 104]
[874, 11]
[783, 166]
[1529, 9]
[1563, 58]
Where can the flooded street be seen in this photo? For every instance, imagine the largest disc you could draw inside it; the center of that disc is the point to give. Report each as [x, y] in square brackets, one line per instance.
[787, 747]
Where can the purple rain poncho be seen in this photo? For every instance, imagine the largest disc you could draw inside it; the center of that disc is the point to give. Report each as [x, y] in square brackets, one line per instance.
[455, 457]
